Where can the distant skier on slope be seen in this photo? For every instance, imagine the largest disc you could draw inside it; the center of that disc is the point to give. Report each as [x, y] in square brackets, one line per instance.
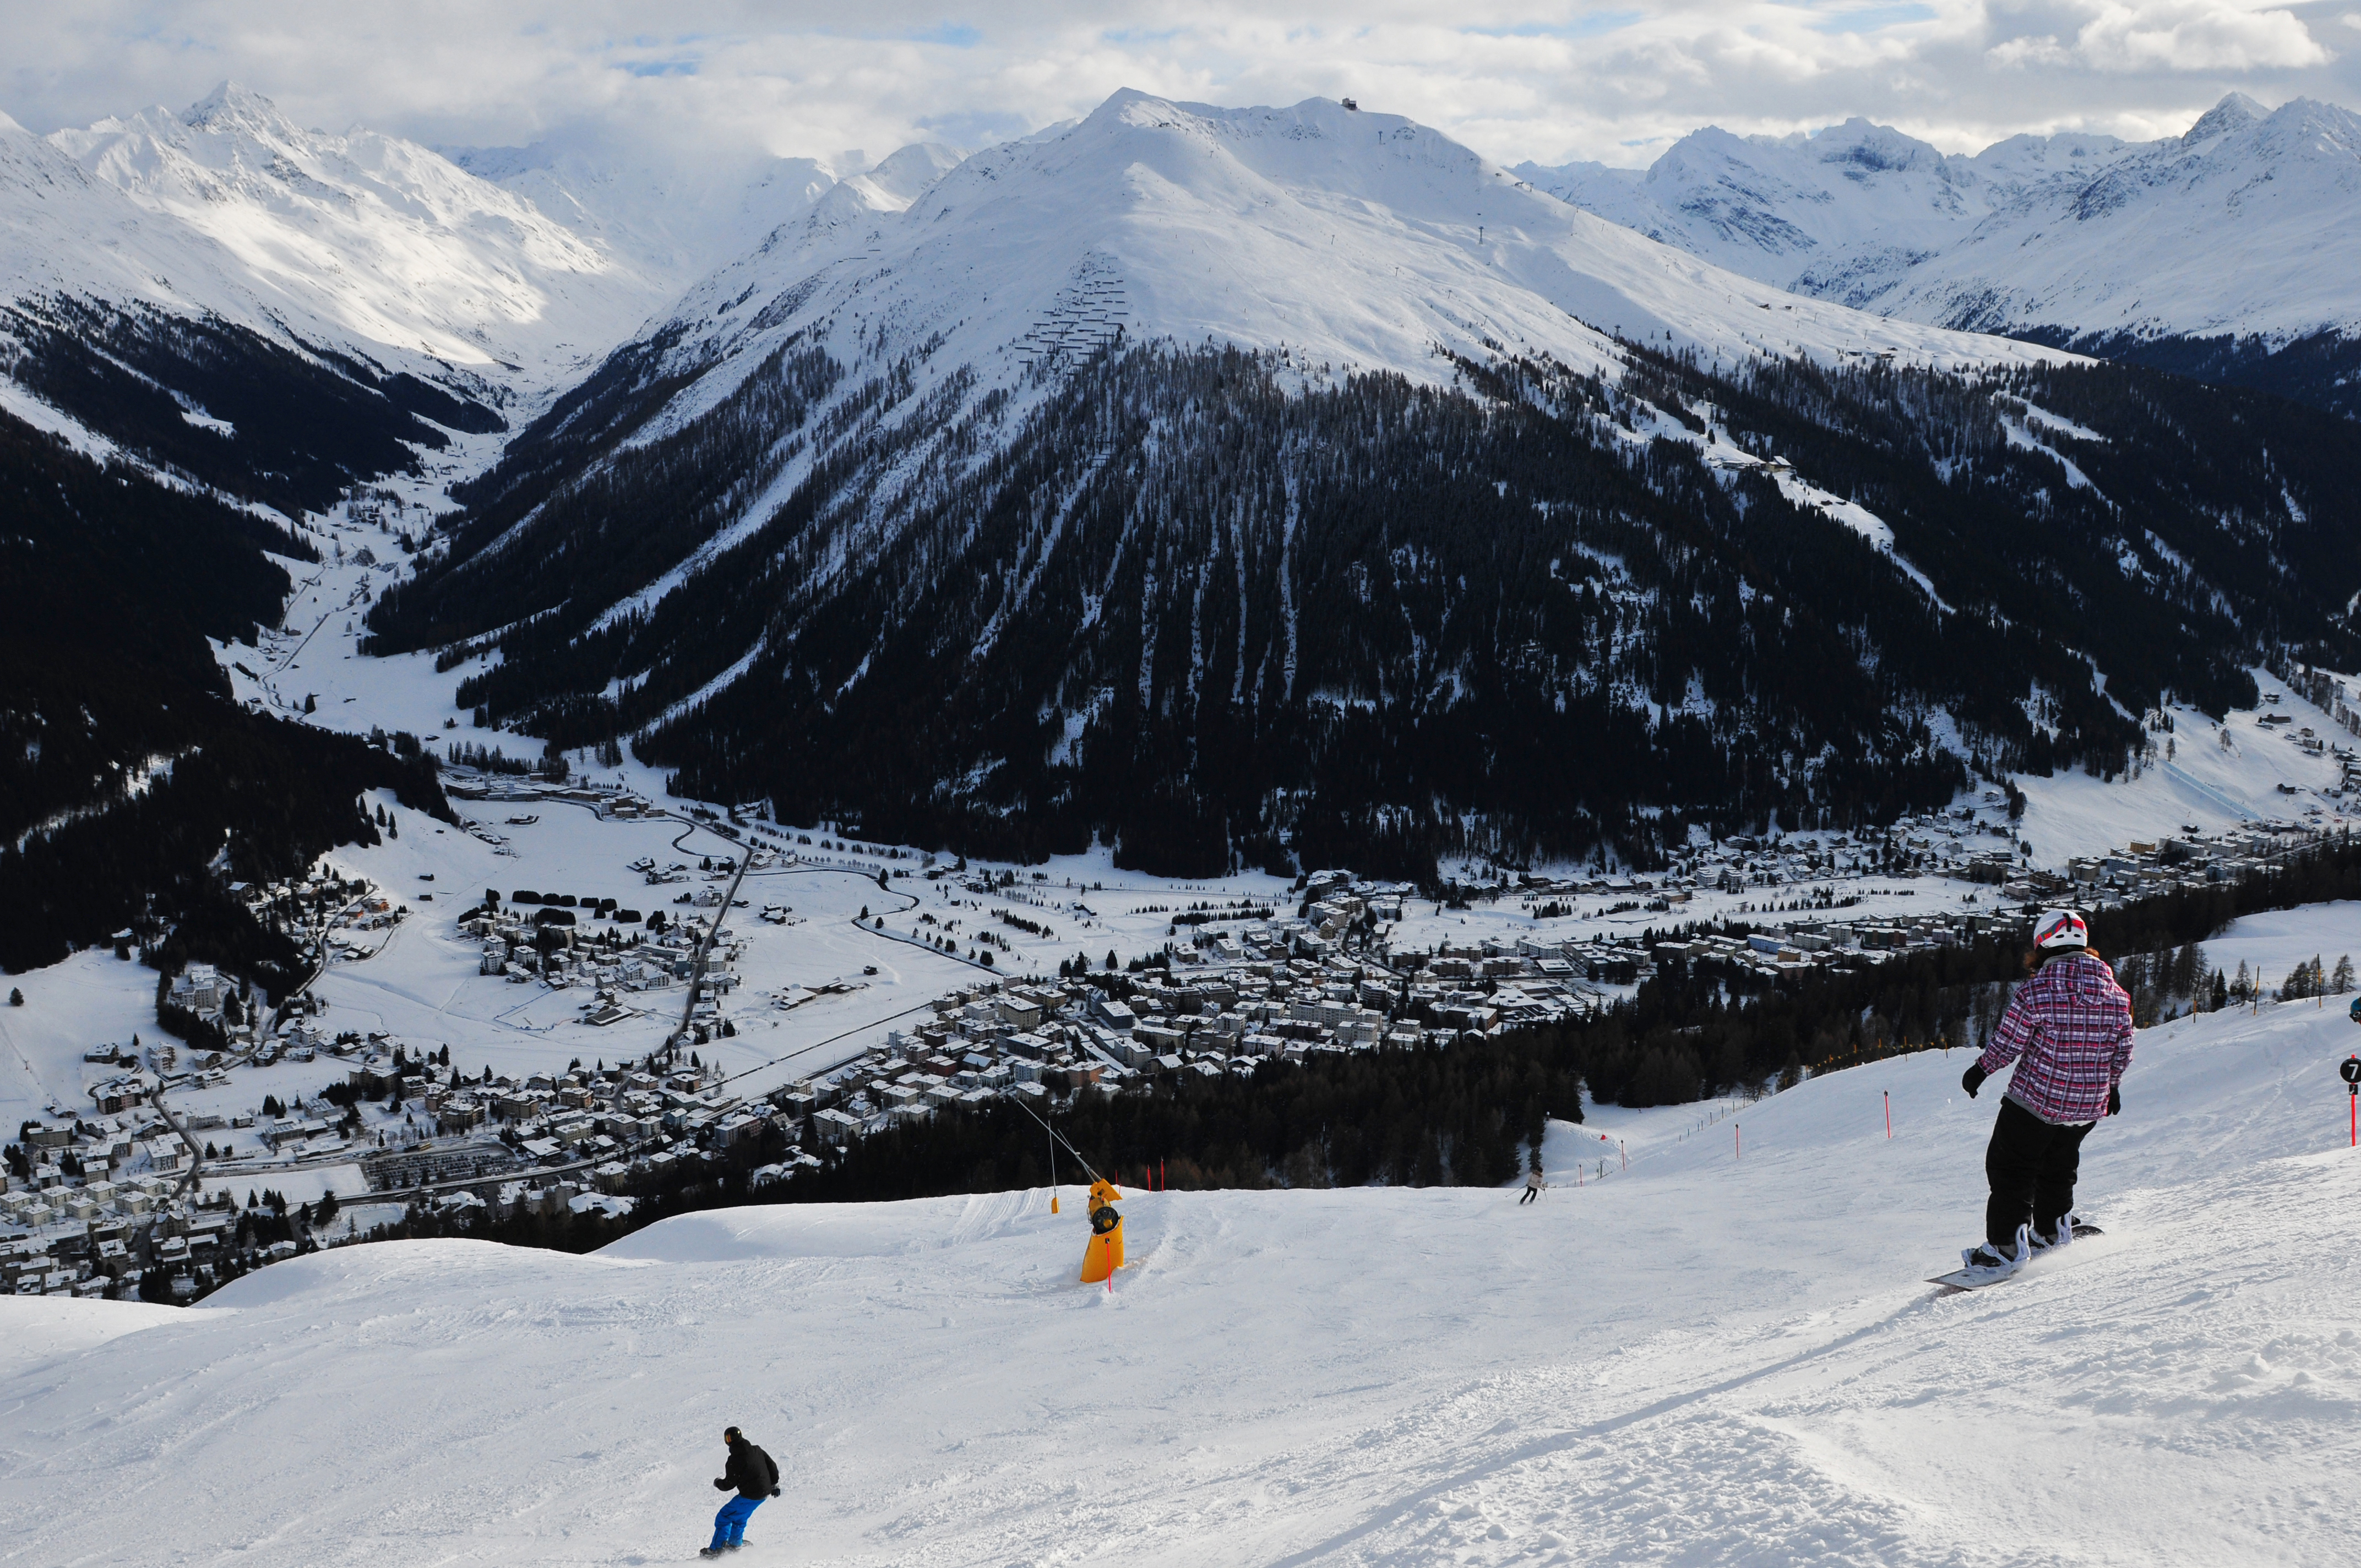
[753, 1477]
[2069, 1029]
[1534, 1186]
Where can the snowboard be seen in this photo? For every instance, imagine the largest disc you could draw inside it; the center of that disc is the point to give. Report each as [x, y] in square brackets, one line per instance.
[1977, 1279]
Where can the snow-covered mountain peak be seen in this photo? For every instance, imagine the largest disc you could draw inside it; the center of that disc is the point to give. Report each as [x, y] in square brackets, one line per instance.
[1858, 148]
[1351, 239]
[371, 238]
[2234, 226]
[674, 223]
[903, 177]
[233, 107]
[2235, 113]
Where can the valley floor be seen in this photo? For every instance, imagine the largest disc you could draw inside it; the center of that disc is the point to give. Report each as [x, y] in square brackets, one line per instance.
[1724, 1354]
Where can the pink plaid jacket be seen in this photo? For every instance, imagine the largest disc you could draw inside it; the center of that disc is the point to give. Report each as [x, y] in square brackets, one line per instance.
[2071, 1024]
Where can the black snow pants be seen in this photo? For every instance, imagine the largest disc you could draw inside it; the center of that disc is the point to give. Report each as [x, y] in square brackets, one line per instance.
[2031, 1164]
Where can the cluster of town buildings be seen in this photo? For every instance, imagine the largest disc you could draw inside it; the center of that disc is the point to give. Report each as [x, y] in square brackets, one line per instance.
[557, 939]
[89, 1199]
[85, 1201]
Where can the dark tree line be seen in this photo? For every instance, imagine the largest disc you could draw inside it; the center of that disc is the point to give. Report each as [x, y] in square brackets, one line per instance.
[2323, 368]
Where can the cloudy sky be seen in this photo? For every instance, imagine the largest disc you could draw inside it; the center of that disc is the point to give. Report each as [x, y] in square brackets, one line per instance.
[1614, 81]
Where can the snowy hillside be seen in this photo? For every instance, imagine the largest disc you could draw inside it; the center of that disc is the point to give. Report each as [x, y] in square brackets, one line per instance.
[1353, 240]
[1721, 1355]
[230, 208]
[2240, 227]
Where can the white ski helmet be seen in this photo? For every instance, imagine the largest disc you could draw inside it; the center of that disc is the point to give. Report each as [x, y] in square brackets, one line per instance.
[2059, 928]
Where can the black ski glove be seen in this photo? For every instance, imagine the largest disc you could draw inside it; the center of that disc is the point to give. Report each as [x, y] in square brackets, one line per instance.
[2114, 1102]
[1973, 1079]
[775, 1491]
[721, 1484]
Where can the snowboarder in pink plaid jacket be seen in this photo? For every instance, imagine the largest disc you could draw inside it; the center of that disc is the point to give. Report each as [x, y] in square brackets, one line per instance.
[2069, 1029]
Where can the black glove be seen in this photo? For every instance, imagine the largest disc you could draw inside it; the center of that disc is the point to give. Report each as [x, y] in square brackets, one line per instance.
[719, 1485]
[2114, 1102]
[775, 1491]
[1973, 1079]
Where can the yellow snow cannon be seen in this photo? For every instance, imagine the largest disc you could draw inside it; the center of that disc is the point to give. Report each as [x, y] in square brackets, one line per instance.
[1102, 1253]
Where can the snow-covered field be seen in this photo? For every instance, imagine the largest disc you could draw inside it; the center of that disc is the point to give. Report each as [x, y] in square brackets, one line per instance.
[1711, 1357]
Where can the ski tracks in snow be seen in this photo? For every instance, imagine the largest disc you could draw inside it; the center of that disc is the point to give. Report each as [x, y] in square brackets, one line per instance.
[2171, 1366]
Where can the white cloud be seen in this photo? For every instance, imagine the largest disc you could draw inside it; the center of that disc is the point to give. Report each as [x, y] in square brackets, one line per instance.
[712, 80]
[2208, 36]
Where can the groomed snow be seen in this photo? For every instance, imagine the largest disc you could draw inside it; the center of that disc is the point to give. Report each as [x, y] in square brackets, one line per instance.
[1709, 1358]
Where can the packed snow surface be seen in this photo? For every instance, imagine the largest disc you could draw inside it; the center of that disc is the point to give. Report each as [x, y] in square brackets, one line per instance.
[1724, 1354]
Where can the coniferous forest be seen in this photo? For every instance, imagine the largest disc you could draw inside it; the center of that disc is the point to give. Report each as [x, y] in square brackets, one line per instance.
[126, 769]
[1210, 608]
[292, 423]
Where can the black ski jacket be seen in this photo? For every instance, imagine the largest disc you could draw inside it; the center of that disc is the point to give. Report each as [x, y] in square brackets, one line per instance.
[750, 1470]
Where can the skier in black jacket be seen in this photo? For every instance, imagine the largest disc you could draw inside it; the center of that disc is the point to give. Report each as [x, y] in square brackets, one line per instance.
[753, 1477]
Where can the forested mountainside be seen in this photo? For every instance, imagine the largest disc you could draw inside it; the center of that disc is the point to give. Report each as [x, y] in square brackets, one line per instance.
[129, 781]
[1195, 603]
[286, 424]
[2320, 368]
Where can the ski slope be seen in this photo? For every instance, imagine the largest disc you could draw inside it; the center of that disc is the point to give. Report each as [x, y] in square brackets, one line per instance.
[1710, 1357]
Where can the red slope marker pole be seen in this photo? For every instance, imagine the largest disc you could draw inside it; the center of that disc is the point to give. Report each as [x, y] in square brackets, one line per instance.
[1889, 1112]
[1735, 1146]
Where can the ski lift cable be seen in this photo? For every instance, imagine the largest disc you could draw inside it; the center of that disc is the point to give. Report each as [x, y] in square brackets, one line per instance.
[1060, 1137]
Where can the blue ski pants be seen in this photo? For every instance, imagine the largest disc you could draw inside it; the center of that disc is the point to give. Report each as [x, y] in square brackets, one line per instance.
[729, 1524]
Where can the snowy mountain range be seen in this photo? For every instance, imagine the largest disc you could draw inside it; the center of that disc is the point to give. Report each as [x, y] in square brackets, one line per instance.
[1207, 480]
[2223, 251]
[389, 281]
[1147, 475]
[231, 210]
[1359, 241]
